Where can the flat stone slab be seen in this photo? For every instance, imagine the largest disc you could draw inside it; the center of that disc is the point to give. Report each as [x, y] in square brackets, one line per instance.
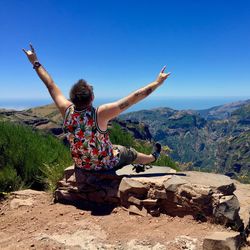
[150, 171]
[169, 177]
[207, 179]
[219, 182]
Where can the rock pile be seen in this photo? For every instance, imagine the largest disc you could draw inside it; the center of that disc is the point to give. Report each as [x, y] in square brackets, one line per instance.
[78, 186]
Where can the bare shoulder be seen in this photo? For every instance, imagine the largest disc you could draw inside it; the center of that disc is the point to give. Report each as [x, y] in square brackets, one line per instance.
[107, 108]
[102, 108]
[108, 111]
[64, 106]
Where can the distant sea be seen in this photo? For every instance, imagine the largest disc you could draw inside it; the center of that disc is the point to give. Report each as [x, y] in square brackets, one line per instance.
[179, 103]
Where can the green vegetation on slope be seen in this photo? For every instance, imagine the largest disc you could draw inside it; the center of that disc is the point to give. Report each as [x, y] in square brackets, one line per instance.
[27, 157]
[242, 113]
[234, 156]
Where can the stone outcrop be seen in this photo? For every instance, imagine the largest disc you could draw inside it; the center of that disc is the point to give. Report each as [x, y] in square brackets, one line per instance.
[243, 194]
[205, 196]
[77, 186]
[138, 130]
[222, 241]
[24, 198]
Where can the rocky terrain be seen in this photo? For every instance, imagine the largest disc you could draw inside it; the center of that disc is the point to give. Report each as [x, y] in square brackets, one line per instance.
[31, 220]
[156, 190]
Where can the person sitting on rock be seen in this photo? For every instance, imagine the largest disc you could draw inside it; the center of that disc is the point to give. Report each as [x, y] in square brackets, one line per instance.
[86, 126]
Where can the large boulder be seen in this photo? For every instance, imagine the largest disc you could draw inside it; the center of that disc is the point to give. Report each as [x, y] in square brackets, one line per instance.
[222, 241]
[227, 212]
[217, 182]
[243, 194]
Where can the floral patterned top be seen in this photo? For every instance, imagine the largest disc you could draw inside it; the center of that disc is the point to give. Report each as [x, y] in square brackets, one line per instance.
[90, 147]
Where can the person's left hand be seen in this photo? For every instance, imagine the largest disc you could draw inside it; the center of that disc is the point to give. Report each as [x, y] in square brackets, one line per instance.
[31, 54]
[162, 75]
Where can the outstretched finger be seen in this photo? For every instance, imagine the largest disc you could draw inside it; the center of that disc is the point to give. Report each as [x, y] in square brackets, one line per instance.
[32, 48]
[24, 51]
[162, 70]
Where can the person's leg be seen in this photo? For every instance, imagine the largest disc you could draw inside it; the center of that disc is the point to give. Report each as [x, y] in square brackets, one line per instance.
[146, 159]
[143, 158]
[126, 155]
[130, 155]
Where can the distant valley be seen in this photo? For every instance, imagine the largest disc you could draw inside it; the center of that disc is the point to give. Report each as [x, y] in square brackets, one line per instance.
[216, 139]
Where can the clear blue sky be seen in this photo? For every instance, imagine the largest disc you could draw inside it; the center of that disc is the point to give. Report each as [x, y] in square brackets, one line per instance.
[119, 46]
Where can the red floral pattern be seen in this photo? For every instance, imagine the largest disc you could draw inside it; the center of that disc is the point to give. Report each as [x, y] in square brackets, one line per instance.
[90, 149]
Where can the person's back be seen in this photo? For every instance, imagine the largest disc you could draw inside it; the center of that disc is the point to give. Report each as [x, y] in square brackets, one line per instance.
[90, 147]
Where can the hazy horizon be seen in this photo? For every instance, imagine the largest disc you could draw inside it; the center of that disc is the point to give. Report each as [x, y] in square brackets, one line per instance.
[195, 103]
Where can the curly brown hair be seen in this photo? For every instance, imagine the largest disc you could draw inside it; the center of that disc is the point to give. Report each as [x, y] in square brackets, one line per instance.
[81, 94]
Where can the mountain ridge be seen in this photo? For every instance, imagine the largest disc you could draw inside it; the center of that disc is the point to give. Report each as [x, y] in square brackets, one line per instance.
[204, 139]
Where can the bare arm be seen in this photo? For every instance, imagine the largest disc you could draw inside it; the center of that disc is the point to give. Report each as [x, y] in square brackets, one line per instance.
[60, 100]
[109, 111]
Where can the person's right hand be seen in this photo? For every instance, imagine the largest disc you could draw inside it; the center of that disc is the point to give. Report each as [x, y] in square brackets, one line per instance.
[162, 76]
[31, 54]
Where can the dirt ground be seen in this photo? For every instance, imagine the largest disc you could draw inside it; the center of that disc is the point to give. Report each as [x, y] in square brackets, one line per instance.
[38, 223]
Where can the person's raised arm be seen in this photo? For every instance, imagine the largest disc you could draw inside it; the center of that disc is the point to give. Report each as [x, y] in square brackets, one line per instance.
[60, 100]
[109, 111]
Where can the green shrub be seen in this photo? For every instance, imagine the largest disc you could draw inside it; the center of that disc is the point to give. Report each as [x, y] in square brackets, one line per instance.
[23, 153]
[53, 173]
[9, 180]
[165, 160]
[120, 137]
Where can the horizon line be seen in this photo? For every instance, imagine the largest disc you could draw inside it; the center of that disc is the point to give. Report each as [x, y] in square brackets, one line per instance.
[111, 97]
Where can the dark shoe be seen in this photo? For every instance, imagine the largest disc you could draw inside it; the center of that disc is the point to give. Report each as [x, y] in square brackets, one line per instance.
[157, 150]
[138, 168]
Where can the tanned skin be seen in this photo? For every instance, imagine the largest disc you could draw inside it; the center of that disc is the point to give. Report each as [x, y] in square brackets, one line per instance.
[60, 100]
[105, 112]
[109, 111]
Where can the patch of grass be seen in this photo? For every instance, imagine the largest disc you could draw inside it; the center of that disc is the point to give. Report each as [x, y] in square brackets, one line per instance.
[53, 173]
[9, 180]
[119, 136]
